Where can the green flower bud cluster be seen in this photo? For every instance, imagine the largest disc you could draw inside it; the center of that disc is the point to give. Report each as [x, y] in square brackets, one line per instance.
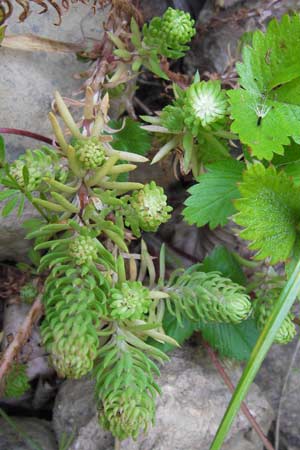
[170, 33]
[262, 309]
[150, 207]
[208, 297]
[16, 381]
[28, 292]
[39, 164]
[90, 152]
[205, 103]
[74, 304]
[130, 301]
[83, 250]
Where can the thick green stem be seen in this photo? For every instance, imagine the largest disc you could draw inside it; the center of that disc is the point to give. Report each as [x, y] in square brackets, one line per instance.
[280, 311]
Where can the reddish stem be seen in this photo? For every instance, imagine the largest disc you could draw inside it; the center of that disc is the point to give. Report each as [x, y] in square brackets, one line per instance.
[231, 387]
[38, 137]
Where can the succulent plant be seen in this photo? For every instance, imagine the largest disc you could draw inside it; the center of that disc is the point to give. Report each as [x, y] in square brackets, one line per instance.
[262, 309]
[150, 206]
[16, 381]
[83, 249]
[130, 301]
[205, 103]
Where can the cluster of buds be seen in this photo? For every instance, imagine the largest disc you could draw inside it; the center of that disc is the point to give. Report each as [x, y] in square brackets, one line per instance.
[130, 301]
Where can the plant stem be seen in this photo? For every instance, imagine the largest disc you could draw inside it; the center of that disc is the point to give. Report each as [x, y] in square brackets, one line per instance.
[117, 444]
[245, 262]
[20, 337]
[281, 309]
[28, 134]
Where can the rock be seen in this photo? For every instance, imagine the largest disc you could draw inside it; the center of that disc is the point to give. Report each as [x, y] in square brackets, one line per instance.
[216, 46]
[188, 413]
[36, 430]
[271, 378]
[28, 81]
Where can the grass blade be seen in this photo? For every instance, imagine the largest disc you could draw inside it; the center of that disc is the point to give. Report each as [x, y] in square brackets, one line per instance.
[281, 309]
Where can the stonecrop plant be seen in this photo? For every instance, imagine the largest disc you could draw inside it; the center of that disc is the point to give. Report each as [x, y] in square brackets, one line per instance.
[109, 311]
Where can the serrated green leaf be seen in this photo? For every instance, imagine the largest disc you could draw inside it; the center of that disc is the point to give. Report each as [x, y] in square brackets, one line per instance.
[269, 211]
[222, 260]
[265, 125]
[273, 58]
[211, 198]
[234, 341]
[132, 138]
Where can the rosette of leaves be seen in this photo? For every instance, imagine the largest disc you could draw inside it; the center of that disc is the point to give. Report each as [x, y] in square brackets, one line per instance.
[193, 123]
[262, 309]
[75, 300]
[16, 381]
[170, 33]
[147, 208]
[129, 301]
[205, 103]
[31, 169]
[207, 297]
[125, 385]
[166, 36]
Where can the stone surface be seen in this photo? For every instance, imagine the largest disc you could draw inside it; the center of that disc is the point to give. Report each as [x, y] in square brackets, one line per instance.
[215, 48]
[28, 81]
[188, 413]
[39, 431]
[271, 378]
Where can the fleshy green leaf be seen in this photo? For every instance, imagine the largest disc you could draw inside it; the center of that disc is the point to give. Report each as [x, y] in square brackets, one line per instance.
[132, 138]
[10, 206]
[269, 211]
[234, 341]
[211, 198]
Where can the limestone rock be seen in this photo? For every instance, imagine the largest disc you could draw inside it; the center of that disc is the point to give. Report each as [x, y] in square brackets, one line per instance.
[28, 81]
[38, 431]
[188, 413]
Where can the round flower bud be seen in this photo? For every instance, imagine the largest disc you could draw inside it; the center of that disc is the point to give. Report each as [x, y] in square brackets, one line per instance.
[16, 381]
[263, 307]
[83, 250]
[130, 301]
[150, 206]
[90, 152]
[177, 27]
[205, 103]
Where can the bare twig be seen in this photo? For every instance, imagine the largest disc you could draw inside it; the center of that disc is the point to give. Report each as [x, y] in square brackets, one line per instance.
[231, 387]
[282, 394]
[20, 337]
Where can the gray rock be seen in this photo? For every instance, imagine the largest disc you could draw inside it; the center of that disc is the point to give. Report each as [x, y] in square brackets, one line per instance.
[216, 46]
[188, 413]
[28, 81]
[38, 431]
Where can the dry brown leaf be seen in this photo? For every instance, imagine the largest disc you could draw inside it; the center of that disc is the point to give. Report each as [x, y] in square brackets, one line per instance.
[32, 43]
